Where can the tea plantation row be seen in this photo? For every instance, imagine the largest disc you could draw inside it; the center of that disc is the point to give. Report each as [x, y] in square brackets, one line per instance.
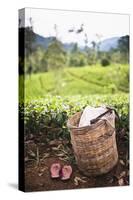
[49, 116]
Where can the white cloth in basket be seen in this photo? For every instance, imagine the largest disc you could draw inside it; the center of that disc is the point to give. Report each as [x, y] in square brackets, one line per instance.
[90, 113]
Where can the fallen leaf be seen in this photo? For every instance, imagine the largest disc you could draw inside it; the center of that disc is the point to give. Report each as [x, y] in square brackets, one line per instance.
[26, 159]
[31, 136]
[109, 179]
[60, 154]
[40, 174]
[64, 151]
[122, 174]
[54, 142]
[122, 162]
[77, 180]
[43, 169]
[127, 163]
[31, 153]
[121, 182]
[64, 158]
[45, 155]
[60, 146]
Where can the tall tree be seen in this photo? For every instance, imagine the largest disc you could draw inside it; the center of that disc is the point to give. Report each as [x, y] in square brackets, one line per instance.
[55, 55]
[123, 46]
[26, 45]
[75, 48]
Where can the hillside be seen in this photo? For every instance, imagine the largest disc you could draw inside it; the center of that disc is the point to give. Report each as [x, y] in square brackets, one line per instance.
[81, 80]
[43, 41]
[105, 45]
[108, 44]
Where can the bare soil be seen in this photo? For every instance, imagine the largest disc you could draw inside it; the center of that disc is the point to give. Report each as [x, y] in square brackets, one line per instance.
[39, 157]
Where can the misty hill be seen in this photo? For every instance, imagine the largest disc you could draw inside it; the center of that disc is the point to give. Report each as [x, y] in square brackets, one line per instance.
[43, 41]
[105, 45]
[108, 44]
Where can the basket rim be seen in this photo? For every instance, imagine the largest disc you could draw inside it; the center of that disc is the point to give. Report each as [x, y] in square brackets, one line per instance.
[88, 127]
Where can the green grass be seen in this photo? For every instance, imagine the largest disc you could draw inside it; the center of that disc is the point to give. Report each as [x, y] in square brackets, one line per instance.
[78, 80]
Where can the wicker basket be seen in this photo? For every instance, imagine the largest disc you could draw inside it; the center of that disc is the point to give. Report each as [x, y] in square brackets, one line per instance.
[94, 146]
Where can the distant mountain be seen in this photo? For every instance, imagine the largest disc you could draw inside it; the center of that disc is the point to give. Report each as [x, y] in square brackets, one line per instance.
[43, 41]
[105, 45]
[108, 44]
[68, 46]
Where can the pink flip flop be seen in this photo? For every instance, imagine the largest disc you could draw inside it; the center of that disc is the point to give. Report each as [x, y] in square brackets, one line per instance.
[55, 170]
[66, 172]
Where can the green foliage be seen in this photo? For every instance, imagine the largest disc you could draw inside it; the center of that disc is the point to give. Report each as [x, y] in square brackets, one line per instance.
[78, 80]
[26, 46]
[29, 39]
[78, 59]
[41, 60]
[49, 115]
[105, 62]
[37, 61]
[55, 55]
[123, 46]
[115, 56]
[75, 48]
[91, 56]
[121, 77]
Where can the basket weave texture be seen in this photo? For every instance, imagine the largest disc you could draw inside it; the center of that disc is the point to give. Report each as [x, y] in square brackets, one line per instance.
[94, 146]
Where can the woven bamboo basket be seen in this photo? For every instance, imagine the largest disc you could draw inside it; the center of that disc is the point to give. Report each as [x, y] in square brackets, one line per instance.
[94, 146]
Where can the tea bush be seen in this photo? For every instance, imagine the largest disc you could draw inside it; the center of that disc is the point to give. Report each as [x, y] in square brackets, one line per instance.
[49, 116]
[105, 62]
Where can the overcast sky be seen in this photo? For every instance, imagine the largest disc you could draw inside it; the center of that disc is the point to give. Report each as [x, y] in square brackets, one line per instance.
[105, 25]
